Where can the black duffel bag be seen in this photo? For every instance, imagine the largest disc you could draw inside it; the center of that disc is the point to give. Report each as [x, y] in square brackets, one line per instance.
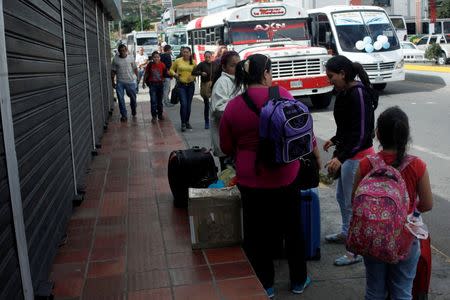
[191, 168]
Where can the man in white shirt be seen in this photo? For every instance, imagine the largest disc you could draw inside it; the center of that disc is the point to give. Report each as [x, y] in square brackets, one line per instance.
[141, 62]
[123, 68]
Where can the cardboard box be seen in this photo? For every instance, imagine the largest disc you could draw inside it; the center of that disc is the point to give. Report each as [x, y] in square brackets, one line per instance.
[215, 217]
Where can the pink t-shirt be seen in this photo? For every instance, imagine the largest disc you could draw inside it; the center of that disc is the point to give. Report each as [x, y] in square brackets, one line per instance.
[239, 137]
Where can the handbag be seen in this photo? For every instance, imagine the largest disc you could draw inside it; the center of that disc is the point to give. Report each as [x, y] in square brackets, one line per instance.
[206, 87]
[206, 90]
[308, 176]
[175, 95]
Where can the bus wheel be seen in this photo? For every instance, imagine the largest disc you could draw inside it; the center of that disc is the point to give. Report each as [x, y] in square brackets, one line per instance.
[379, 86]
[321, 100]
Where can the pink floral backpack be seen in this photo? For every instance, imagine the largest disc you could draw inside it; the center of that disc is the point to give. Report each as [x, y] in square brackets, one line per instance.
[380, 208]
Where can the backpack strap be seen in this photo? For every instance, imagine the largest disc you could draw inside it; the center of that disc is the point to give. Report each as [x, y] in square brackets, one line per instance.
[250, 103]
[274, 93]
[376, 161]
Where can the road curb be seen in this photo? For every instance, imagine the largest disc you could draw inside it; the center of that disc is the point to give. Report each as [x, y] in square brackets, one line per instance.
[427, 68]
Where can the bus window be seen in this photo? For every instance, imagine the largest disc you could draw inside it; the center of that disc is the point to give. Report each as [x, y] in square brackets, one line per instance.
[398, 23]
[258, 31]
[423, 41]
[147, 41]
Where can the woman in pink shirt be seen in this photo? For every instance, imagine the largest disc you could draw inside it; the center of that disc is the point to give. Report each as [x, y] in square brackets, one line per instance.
[270, 201]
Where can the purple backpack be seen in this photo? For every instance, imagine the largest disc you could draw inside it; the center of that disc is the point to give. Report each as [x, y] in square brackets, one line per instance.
[285, 128]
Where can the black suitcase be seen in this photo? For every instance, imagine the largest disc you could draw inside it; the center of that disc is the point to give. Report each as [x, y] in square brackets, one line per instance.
[194, 168]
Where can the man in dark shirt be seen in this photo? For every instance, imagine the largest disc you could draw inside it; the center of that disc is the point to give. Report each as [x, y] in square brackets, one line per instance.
[166, 58]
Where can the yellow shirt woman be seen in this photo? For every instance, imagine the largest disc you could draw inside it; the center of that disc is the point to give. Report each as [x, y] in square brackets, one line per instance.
[184, 69]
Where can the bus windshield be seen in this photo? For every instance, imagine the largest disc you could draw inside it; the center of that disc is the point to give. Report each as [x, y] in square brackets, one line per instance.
[354, 26]
[268, 31]
[177, 38]
[147, 41]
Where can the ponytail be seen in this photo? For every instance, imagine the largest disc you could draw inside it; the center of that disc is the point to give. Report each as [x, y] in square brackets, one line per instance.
[362, 74]
[401, 136]
[364, 78]
[251, 71]
[393, 132]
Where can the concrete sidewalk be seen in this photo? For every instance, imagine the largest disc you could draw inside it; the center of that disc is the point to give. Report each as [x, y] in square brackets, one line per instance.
[328, 281]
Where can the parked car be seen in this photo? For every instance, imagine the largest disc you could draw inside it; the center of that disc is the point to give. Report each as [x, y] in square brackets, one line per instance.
[442, 40]
[411, 53]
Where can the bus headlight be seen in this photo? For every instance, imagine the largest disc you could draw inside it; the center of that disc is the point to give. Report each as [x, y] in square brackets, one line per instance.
[400, 64]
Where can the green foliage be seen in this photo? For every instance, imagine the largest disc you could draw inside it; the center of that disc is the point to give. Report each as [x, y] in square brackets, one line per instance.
[444, 10]
[433, 52]
[414, 39]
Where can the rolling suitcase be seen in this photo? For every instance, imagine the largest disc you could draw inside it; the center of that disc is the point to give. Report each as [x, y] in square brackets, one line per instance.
[194, 168]
[421, 284]
[310, 217]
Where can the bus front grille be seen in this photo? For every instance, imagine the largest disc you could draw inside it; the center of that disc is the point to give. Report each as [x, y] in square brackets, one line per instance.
[379, 67]
[295, 68]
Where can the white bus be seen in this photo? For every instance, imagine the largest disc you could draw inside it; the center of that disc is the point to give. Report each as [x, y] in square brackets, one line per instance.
[176, 36]
[364, 34]
[277, 30]
[400, 27]
[146, 39]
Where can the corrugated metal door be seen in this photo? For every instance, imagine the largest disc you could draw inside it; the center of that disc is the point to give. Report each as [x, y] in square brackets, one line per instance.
[103, 75]
[108, 65]
[78, 87]
[10, 284]
[39, 105]
[94, 68]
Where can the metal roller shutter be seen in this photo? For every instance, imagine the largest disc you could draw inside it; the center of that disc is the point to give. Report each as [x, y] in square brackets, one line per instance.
[103, 75]
[38, 98]
[10, 285]
[108, 65]
[78, 87]
[94, 68]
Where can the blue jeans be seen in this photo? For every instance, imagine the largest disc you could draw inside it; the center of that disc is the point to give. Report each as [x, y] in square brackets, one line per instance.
[156, 96]
[130, 88]
[344, 192]
[186, 94]
[397, 279]
[140, 75]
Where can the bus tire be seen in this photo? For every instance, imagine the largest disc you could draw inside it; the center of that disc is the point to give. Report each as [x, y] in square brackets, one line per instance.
[379, 86]
[321, 100]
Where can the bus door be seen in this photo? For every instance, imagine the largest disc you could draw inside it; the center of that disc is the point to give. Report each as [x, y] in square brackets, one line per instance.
[322, 33]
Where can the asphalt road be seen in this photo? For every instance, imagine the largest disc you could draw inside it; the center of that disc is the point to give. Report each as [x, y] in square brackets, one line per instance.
[425, 97]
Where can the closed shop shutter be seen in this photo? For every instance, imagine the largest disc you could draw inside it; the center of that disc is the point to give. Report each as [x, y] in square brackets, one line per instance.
[35, 57]
[94, 68]
[108, 66]
[78, 87]
[101, 42]
[10, 285]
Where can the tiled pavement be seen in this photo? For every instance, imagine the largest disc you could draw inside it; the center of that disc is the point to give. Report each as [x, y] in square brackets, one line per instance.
[127, 241]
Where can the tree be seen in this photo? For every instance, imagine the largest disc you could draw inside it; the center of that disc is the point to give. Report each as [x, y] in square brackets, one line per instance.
[444, 10]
